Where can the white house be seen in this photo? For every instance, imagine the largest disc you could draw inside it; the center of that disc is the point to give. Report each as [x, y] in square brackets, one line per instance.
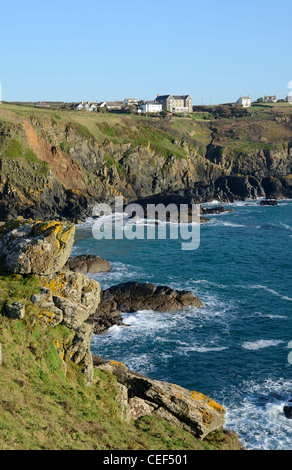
[86, 107]
[112, 105]
[289, 98]
[151, 107]
[270, 99]
[244, 101]
[130, 101]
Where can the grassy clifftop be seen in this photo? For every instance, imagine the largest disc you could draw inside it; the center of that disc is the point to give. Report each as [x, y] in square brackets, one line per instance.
[55, 162]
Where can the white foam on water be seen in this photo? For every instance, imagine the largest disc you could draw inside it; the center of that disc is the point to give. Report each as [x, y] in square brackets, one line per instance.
[119, 272]
[285, 226]
[260, 344]
[257, 415]
[271, 291]
[200, 349]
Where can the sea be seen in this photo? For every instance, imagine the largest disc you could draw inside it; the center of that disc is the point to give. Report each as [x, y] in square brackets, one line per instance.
[238, 349]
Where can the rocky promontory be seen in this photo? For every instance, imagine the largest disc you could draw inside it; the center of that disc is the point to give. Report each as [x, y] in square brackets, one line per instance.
[70, 299]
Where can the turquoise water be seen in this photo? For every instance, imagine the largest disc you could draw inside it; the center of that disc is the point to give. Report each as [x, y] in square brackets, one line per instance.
[236, 349]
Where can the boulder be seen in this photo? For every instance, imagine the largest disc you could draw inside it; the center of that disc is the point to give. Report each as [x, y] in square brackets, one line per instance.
[141, 396]
[133, 296]
[88, 264]
[74, 294]
[15, 310]
[49, 312]
[35, 247]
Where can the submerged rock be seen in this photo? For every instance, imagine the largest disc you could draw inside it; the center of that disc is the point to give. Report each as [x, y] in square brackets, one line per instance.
[288, 410]
[35, 247]
[269, 202]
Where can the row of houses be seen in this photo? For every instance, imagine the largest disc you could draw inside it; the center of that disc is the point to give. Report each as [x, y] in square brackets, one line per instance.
[169, 103]
[246, 101]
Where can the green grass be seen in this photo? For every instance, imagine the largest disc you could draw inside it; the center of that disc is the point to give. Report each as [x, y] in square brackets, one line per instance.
[14, 149]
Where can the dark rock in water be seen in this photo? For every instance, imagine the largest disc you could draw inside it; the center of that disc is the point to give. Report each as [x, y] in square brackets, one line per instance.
[133, 296]
[204, 220]
[88, 264]
[213, 210]
[269, 202]
[288, 410]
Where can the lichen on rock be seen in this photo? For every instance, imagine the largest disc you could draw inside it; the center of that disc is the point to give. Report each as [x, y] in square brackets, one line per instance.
[35, 247]
[192, 411]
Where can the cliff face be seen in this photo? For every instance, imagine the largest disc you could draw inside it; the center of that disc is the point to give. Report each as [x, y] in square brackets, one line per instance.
[59, 165]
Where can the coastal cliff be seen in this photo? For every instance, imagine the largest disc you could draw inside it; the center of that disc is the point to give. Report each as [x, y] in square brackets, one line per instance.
[59, 164]
[55, 394]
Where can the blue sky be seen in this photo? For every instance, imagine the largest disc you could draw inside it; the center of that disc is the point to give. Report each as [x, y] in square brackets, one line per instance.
[106, 50]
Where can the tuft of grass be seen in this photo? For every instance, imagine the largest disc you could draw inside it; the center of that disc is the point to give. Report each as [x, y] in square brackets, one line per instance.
[14, 149]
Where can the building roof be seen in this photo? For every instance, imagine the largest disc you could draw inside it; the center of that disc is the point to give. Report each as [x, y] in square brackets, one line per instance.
[152, 102]
[176, 97]
[113, 103]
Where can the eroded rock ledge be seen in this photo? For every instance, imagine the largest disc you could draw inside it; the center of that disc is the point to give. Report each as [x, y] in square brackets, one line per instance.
[140, 396]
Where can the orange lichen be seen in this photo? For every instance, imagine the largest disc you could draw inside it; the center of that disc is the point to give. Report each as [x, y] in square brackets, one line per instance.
[208, 401]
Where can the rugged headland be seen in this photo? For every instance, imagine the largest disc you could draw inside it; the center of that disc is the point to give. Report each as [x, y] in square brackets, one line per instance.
[54, 393]
[55, 166]
[58, 163]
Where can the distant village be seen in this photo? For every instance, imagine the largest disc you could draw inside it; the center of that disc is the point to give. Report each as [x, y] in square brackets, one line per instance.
[177, 104]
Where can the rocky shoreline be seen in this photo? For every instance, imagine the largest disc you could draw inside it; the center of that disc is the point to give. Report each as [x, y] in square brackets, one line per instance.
[77, 206]
[42, 249]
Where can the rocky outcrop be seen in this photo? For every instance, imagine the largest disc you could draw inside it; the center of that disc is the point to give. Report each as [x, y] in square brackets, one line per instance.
[141, 396]
[88, 264]
[66, 297]
[133, 296]
[35, 247]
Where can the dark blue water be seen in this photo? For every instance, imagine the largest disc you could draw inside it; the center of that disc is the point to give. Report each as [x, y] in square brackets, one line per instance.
[236, 349]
